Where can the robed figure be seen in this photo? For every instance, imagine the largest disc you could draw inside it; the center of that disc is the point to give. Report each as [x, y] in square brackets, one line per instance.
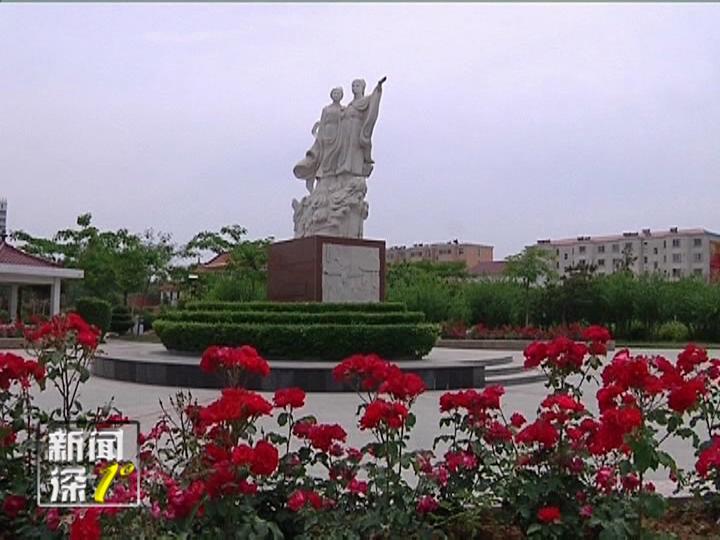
[343, 136]
[337, 165]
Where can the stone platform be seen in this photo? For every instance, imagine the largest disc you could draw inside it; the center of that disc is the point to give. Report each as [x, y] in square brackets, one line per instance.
[150, 363]
[494, 344]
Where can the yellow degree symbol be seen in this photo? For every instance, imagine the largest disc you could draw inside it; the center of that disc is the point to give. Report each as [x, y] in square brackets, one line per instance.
[109, 475]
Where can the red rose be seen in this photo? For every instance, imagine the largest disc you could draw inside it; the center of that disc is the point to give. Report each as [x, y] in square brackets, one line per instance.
[427, 504]
[289, 397]
[358, 487]
[596, 333]
[709, 458]
[265, 459]
[535, 354]
[393, 415]
[549, 514]
[517, 420]
[403, 386]
[685, 396]
[87, 526]
[13, 505]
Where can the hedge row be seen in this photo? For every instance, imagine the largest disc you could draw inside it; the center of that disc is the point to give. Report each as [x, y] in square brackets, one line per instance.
[299, 342]
[304, 307]
[292, 317]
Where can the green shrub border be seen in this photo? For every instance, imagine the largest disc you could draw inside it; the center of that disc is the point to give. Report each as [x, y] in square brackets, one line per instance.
[330, 342]
[292, 317]
[304, 307]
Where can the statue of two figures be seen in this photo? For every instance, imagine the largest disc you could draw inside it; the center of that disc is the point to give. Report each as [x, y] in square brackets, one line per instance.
[337, 165]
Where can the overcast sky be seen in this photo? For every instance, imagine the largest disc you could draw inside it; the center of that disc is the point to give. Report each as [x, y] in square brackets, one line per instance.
[499, 124]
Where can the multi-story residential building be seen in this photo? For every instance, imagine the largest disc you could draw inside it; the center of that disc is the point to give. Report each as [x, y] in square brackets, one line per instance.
[470, 254]
[674, 253]
[3, 217]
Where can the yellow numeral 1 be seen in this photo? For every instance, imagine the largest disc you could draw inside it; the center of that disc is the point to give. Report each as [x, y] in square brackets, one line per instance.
[109, 476]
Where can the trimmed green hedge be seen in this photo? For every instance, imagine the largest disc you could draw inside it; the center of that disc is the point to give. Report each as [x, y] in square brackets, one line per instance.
[95, 311]
[316, 341]
[121, 320]
[292, 317]
[304, 307]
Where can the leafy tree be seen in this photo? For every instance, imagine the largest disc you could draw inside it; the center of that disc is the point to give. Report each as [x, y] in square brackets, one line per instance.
[533, 266]
[116, 263]
[430, 288]
[246, 273]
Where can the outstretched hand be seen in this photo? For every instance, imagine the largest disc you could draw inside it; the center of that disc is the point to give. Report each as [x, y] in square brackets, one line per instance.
[381, 81]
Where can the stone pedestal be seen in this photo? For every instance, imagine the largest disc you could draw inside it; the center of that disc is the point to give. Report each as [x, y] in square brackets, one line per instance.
[326, 269]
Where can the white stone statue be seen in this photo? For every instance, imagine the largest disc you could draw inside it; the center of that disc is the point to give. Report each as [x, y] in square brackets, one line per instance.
[337, 165]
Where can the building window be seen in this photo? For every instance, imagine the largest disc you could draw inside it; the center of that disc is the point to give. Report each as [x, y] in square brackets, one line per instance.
[697, 257]
[581, 249]
[697, 242]
[557, 252]
[645, 260]
[616, 248]
[655, 265]
[628, 245]
[557, 265]
[698, 272]
[601, 249]
[676, 272]
[676, 242]
[677, 257]
[565, 257]
[655, 251]
[461, 251]
[601, 262]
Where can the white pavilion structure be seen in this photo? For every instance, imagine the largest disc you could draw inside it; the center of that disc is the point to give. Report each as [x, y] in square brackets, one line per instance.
[18, 268]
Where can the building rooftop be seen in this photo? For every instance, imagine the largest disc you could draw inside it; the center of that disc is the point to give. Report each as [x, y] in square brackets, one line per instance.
[440, 244]
[12, 255]
[645, 233]
[218, 262]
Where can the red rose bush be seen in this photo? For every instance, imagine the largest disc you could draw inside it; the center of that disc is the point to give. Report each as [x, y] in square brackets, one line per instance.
[252, 465]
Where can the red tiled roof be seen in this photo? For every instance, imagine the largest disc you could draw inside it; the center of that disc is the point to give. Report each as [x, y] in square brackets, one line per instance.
[216, 263]
[488, 268]
[12, 255]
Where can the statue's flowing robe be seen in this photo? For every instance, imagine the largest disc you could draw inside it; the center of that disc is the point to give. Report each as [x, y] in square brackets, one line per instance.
[320, 160]
[356, 128]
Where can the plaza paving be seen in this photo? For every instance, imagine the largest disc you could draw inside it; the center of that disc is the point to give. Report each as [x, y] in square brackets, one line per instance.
[140, 402]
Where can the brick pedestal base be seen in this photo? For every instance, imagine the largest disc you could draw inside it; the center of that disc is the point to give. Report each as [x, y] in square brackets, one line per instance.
[326, 269]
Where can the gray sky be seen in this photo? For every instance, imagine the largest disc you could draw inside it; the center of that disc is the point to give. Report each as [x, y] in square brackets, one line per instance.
[499, 124]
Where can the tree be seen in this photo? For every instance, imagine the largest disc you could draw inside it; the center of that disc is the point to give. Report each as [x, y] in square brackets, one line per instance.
[116, 263]
[534, 265]
[246, 273]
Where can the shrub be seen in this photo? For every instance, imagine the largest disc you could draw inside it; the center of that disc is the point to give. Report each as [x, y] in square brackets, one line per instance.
[296, 341]
[673, 331]
[148, 319]
[121, 320]
[4, 316]
[305, 307]
[295, 317]
[95, 311]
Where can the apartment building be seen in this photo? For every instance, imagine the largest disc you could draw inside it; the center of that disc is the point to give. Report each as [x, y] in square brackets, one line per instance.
[455, 251]
[673, 253]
